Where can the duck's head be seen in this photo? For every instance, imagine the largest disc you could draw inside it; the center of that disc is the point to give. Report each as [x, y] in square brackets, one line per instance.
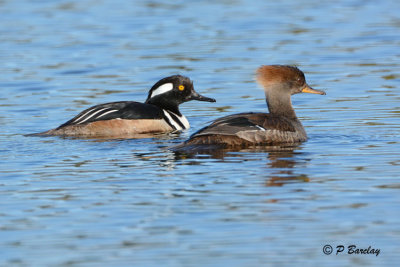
[172, 91]
[285, 79]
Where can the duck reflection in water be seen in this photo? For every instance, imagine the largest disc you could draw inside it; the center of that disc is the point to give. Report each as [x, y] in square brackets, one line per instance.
[282, 160]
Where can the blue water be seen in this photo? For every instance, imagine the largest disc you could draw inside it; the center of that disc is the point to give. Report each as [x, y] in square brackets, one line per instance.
[133, 202]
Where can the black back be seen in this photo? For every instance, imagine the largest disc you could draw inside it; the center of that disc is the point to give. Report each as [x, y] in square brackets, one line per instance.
[126, 110]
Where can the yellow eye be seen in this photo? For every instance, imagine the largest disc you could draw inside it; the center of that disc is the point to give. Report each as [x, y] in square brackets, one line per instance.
[181, 87]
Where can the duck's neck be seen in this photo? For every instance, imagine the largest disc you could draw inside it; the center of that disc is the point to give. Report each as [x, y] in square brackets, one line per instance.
[280, 104]
[164, 104]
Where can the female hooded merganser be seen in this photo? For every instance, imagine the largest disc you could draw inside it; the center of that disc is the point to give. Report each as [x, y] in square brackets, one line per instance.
[280, 126]
[159, 114]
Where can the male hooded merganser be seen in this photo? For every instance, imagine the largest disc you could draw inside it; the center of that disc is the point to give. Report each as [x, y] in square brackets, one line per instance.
[159, 114]
[280, 126]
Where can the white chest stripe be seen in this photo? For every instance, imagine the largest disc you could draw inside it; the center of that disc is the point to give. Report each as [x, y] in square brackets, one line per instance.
[185, 122]
[182, 119]
[172, 121]
[162, 89]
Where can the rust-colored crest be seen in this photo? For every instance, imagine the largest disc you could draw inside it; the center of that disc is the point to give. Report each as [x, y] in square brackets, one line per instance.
[271, 74]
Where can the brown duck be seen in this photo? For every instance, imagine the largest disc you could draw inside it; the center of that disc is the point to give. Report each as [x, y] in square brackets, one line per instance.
[279, 126]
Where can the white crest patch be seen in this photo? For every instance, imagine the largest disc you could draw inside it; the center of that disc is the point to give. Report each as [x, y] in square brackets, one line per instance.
[162, 89]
